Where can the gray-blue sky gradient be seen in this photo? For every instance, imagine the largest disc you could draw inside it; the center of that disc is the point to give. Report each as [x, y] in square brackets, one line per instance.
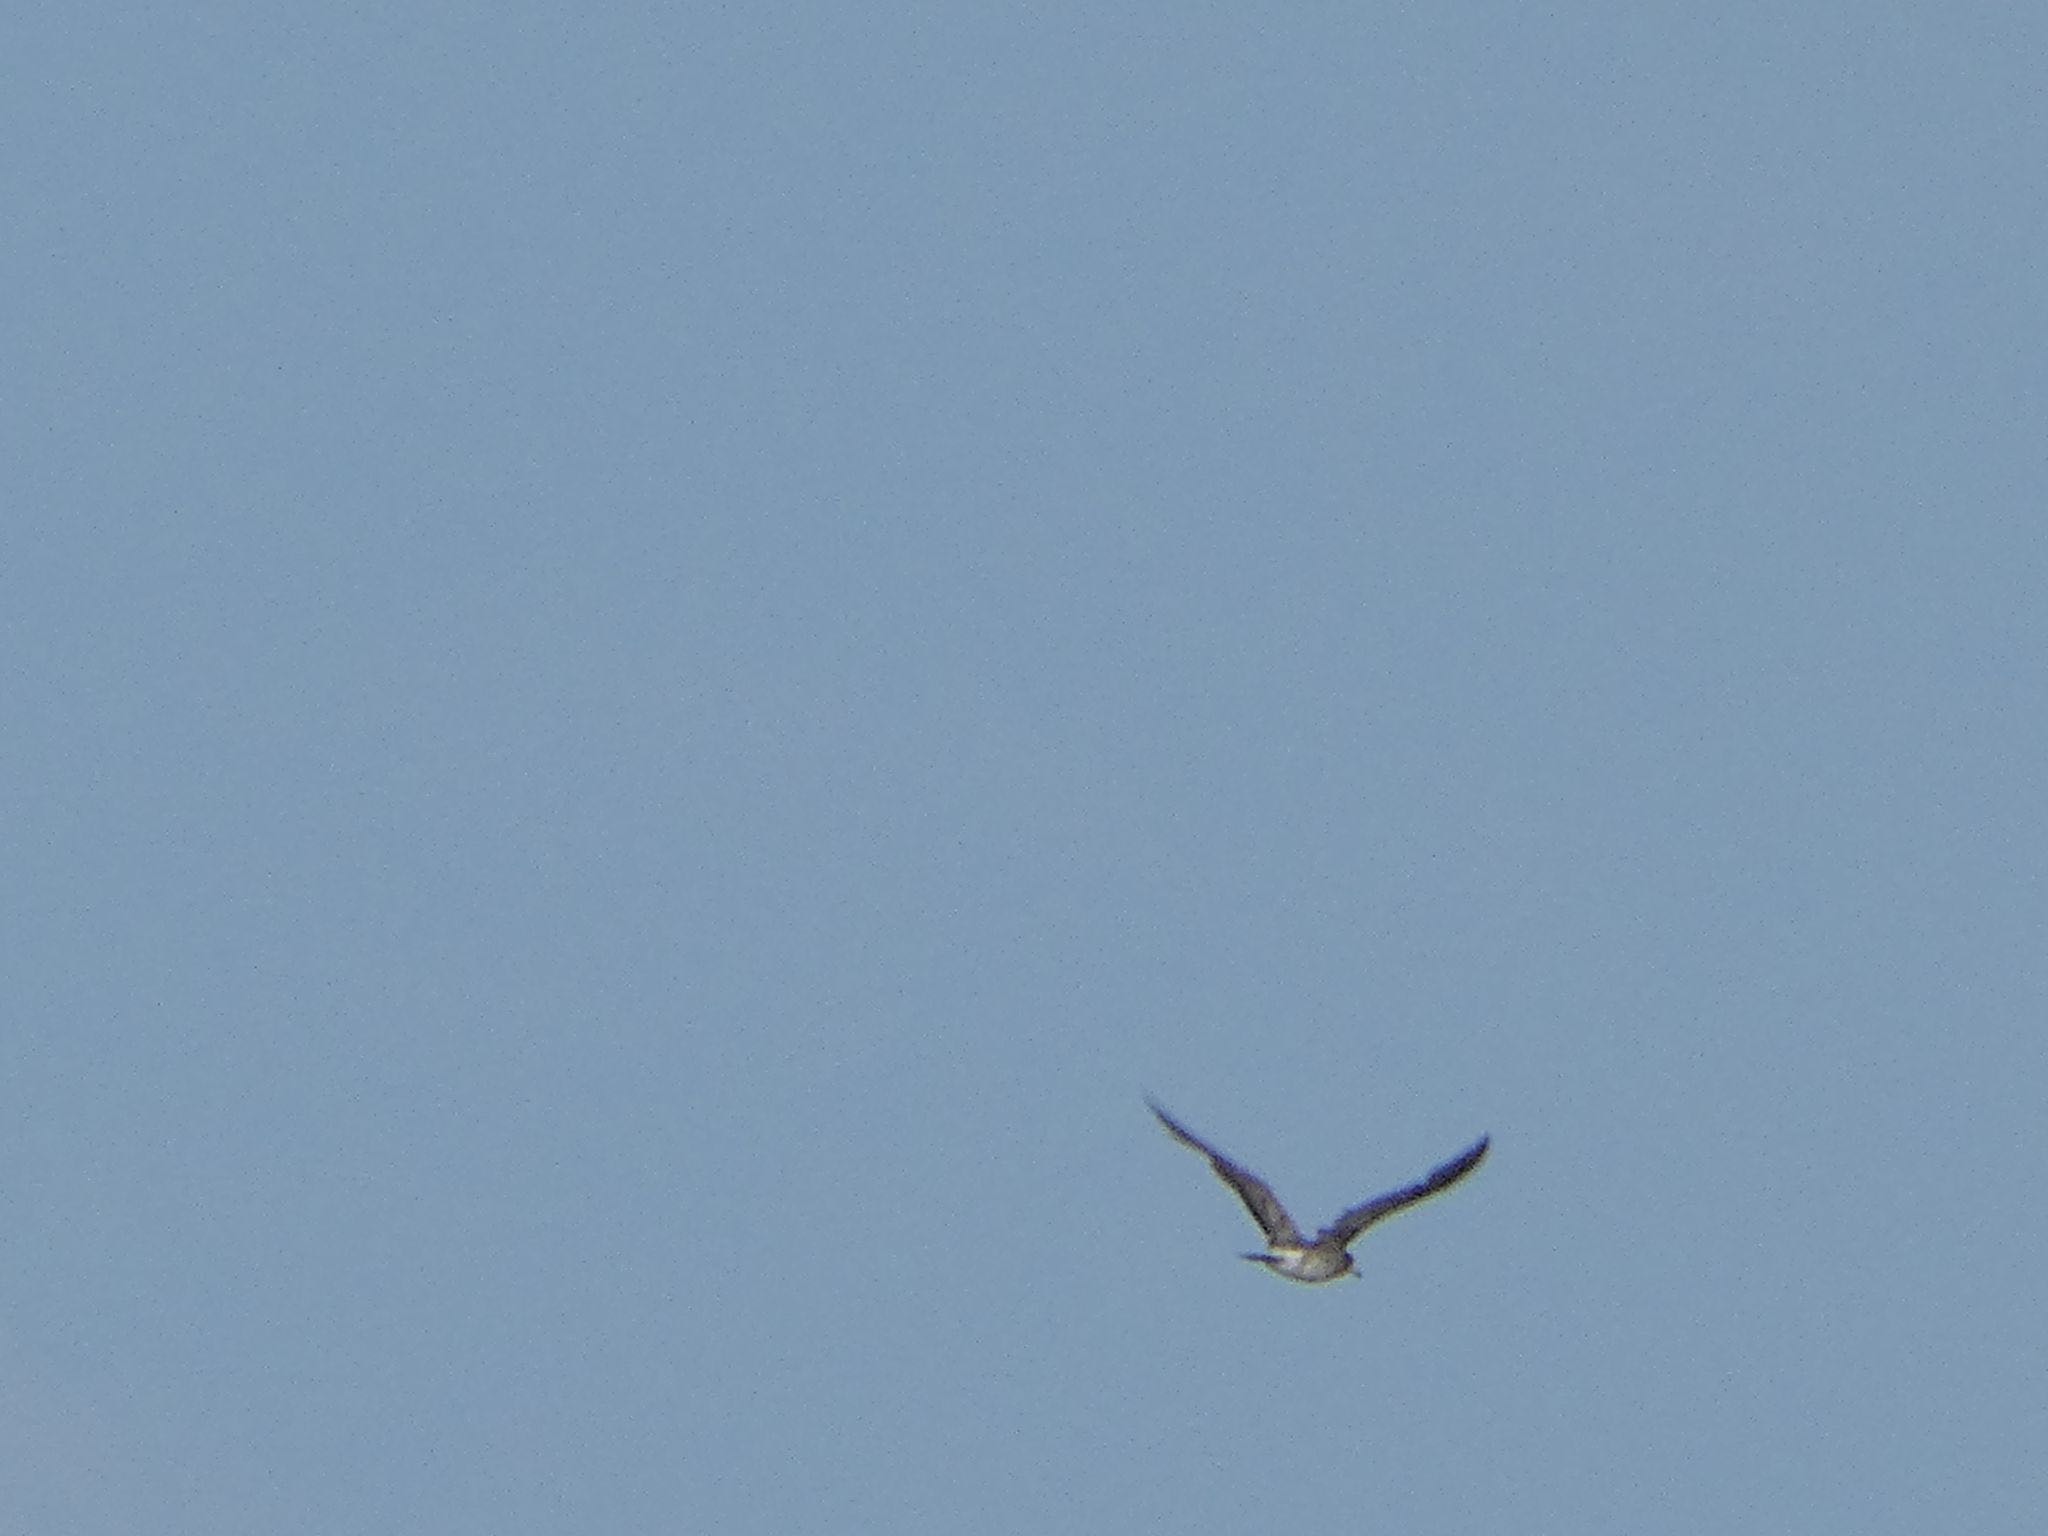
[656, 661]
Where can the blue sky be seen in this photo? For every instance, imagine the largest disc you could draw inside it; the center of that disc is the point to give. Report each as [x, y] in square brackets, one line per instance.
[658, 661]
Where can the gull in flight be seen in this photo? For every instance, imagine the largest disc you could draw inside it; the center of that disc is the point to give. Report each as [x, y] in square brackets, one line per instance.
[1328, 1255]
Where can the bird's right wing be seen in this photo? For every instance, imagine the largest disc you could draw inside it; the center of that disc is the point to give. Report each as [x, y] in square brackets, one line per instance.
[1264, 1205]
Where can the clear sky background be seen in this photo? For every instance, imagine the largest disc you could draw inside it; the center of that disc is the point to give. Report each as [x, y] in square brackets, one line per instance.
[657, 659]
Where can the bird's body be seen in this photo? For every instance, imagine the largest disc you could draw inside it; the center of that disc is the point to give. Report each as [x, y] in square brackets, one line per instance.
[1328, 1255]
[1311, 1265]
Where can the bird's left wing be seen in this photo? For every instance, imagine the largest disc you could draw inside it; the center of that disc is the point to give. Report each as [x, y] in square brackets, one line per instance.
[1354, 1221]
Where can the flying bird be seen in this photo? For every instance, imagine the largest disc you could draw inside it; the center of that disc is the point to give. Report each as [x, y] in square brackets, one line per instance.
[1329, 1255]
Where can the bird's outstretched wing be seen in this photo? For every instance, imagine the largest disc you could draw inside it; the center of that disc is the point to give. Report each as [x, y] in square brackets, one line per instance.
[1345, 1228]
[1264, 1205]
